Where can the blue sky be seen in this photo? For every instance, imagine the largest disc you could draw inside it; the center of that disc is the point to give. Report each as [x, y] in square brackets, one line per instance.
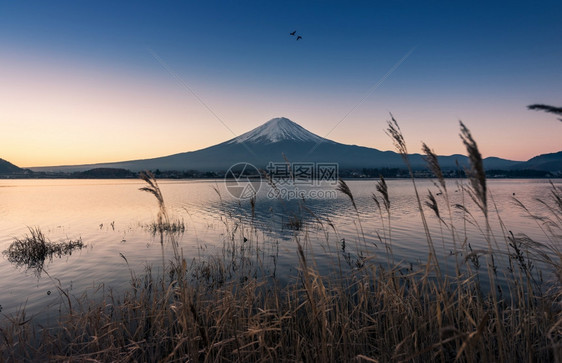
[81, 73]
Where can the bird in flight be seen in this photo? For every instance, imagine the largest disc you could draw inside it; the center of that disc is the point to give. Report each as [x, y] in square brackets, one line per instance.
[293, 33]
[299, 37]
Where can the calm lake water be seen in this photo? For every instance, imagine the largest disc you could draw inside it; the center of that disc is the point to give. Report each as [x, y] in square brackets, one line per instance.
[110, 216]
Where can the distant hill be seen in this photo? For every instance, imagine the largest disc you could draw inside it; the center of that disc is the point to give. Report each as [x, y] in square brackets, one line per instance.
[269, 142]
[549, 162]
[9, 168]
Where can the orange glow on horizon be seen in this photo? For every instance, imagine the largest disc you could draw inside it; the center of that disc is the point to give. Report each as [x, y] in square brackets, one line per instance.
[56, 114]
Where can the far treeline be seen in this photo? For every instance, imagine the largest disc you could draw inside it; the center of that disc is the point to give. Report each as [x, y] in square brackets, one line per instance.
[111, 173]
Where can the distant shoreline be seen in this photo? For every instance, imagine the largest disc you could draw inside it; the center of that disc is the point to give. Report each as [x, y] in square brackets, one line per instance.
[524, 174]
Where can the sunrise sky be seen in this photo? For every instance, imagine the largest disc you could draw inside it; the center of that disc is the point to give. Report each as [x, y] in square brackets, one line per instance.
[99, 81]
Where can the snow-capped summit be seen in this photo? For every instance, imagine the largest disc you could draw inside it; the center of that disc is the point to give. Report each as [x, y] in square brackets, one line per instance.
[276, 130]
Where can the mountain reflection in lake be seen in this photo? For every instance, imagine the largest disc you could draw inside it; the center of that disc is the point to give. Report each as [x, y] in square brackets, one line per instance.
[112, 215]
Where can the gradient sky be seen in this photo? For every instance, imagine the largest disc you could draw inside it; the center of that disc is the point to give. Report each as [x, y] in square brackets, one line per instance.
[100, 81]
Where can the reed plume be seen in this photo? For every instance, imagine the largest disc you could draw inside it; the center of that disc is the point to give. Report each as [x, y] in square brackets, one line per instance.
[395, 133]
[382, 188]
[476, 174]
[154, 189]
[393, 130]
[546, 108]
[344, 188]
[432, 204]
[433, 164]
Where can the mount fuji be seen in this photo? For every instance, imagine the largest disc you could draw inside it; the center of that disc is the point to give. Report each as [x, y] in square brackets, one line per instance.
[274, 141]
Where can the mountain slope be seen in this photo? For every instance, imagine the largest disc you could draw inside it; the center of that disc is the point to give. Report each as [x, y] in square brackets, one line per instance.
[9, 168]
[269, 142]
[548, 162]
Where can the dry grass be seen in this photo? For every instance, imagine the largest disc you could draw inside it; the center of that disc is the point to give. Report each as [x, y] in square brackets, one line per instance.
[33, 250]
[175, 226]
[228, 308]
[547, 108]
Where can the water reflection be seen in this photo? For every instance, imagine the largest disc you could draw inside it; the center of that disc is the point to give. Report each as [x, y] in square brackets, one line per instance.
[278, 216]
[328, 228]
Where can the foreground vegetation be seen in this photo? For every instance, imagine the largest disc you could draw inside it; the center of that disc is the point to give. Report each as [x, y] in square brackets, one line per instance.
[228, 308]
[33, 250]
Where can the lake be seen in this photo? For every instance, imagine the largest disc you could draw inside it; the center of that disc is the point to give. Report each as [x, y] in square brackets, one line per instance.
[111, 218]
